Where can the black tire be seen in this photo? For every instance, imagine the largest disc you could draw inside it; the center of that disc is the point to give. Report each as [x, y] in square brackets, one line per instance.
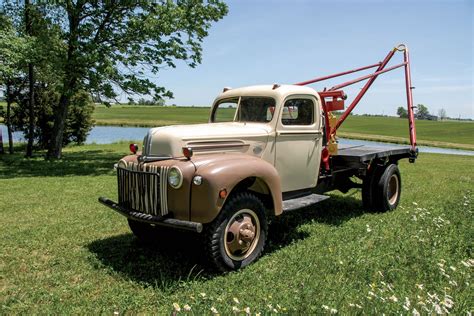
[145, 233]
[388, 188]
[368, 187]
[242, 210]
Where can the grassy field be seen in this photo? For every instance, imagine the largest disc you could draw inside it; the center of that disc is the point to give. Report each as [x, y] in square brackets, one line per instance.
[450, 134]
[62, 252]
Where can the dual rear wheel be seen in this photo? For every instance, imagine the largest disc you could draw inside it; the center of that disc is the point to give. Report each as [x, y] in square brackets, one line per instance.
[381, 188]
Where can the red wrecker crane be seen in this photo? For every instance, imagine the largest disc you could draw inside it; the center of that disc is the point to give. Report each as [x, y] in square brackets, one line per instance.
[333, 100]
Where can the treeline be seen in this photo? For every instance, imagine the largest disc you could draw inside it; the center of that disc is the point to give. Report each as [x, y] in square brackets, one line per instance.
[422, 113]
[58, 58]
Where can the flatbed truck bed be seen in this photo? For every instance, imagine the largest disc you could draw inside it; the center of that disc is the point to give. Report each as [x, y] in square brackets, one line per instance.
[350, 156]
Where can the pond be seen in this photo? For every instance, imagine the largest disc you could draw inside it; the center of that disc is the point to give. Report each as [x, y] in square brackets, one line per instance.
[111, 134]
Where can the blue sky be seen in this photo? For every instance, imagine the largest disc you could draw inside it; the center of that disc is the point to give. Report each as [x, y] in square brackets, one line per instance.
[290, 41]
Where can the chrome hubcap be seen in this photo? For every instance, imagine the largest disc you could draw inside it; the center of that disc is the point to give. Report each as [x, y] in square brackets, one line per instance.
[242, 234]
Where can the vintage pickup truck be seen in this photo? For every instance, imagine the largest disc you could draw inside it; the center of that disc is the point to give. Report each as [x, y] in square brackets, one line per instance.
[266, 150]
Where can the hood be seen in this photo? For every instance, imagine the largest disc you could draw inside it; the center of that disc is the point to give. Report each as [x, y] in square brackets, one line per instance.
[168, 141]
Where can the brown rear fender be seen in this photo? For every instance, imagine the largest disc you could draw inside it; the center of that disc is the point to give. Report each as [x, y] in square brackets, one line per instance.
[227, 171]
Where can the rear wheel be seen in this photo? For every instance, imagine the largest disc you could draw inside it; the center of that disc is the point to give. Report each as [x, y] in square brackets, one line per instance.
[381, 188]
[388, 189]
[237, 236]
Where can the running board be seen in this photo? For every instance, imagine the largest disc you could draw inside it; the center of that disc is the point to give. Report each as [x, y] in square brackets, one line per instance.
[294, 204]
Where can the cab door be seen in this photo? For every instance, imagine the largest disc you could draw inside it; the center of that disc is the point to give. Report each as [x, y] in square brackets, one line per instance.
[298, 143]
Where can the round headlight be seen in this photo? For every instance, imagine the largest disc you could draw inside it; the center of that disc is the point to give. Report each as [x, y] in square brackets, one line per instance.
[175, 177]
[122, 164]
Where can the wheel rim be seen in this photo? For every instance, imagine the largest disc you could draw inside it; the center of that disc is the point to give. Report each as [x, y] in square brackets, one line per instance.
[393, 189]
[242, 234]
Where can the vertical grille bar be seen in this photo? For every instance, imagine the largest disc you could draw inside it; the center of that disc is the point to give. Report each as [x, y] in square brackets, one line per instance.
[164, 190]
[143, 190]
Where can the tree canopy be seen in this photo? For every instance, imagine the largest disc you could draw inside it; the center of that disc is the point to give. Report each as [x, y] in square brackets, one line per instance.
[109, 47]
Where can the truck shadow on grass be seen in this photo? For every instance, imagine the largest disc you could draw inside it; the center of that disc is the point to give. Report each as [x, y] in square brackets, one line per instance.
[82, 163]
[176, 257]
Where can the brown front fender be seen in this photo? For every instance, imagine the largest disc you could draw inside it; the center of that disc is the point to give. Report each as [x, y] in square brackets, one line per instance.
[226, 171]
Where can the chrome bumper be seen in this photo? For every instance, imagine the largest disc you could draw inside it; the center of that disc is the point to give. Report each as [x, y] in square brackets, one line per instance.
[152, 219]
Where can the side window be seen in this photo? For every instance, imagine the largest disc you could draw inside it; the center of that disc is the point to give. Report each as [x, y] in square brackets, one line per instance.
[298, 112]
[225, 110]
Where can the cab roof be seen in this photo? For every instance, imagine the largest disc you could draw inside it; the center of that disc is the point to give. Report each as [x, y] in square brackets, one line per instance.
[278, 93]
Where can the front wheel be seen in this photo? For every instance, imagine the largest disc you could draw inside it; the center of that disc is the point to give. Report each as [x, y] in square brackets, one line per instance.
[237, 236]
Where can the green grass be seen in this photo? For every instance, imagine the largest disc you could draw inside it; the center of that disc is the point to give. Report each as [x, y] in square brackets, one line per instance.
[149, 115]
[62, 252]
[449, 134]
[432, 133]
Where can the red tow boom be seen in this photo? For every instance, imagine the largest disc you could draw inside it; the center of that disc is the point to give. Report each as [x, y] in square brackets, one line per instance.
[337, 96]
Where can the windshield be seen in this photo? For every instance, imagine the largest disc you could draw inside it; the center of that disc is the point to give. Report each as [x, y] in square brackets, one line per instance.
[244, 109]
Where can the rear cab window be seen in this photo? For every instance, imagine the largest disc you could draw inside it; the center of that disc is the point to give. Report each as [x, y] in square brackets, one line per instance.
[298, 111]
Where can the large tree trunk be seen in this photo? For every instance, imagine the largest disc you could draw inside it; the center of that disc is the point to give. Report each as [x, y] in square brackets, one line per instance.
[8, 121]
[69, 87]
[31, 79]
[60, 115]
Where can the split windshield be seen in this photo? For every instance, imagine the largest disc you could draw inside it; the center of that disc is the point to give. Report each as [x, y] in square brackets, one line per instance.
[244, 109]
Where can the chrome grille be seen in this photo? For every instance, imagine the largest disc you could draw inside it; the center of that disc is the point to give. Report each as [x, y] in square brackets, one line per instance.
[145, 190]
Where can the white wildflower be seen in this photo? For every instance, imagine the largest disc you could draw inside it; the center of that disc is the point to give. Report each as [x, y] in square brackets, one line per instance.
[407, 304]
[214, 310]
[247, 310]
[448, 302]
[187, 307]
[176, 307]
[235, 309]
[368, 228]
[438, 309]
[203, 295]
[333, 311]
[116, 313]
[393, 298]
[236, 300]
[325, 307]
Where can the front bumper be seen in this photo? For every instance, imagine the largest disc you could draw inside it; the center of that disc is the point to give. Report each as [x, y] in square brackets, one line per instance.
[152, 219]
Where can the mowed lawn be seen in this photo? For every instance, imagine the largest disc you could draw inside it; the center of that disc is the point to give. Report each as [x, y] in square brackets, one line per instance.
[149, 115]
[451, 134]
[62, 252]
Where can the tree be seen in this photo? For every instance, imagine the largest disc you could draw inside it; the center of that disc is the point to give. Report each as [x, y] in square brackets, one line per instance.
[113, 45]
[422, 112]
[442, 114]
[13, 52]
[77, 125]
[402, 112]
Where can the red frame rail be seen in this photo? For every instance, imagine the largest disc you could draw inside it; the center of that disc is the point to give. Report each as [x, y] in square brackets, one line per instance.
[336, 94]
